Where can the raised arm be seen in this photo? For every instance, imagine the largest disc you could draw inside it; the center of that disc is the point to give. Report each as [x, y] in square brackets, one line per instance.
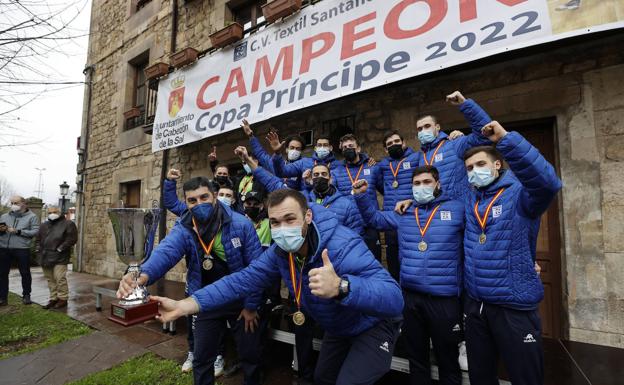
[170, 196]
[380, 220]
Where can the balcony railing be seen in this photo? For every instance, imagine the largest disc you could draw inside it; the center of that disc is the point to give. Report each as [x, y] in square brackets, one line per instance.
[147, 112]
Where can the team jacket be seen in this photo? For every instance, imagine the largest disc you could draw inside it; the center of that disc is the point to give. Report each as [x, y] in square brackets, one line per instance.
[438, 269]
[501, 271]
[239, 239]
[373, 295]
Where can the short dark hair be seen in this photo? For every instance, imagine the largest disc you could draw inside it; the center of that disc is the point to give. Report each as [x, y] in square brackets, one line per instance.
[222, 166]
[321, 165]
[389, 134]
[324, 137]
[297, 138]
[433, 117]
[227, 184]
[426, 170]
[197, 182]
[346, 137]
[278, 196]
[491, 151]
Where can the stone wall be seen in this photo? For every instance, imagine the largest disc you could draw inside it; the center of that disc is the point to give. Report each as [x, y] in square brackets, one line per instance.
[579, 83]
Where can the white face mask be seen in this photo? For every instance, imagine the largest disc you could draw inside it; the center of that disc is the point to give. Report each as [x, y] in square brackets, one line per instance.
[53, 217]
[15, 208]
[294, 155]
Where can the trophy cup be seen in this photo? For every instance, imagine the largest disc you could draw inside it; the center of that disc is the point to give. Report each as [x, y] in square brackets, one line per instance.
[134, 229]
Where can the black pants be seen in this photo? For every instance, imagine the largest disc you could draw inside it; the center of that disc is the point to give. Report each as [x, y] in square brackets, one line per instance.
[392, 254]
[208, 335]
[371, 238]
[304, 338]
[361, 359]
[23, 262]
[515, 335]
[439, 319]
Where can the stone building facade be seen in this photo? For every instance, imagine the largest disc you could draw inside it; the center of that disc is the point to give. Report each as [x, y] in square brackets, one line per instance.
[569, 96]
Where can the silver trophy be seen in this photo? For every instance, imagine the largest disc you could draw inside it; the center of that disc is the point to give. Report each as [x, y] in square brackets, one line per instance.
[135, 230]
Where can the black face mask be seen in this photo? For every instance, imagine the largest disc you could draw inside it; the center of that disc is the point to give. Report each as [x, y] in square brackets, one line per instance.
[349, 154]
[396, 151]
[221, 179]
[320, 185]
[252, 212]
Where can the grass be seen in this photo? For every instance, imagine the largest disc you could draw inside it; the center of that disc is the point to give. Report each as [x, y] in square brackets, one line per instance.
[24, 328]
[147, 369]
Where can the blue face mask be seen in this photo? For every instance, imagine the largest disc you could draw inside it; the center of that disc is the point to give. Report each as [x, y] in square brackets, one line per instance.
[225, 200]
[202, 212]
[423, 194]
[426, 137]
[247, 169]
[480, 177]
[288, 238]
[322, 152]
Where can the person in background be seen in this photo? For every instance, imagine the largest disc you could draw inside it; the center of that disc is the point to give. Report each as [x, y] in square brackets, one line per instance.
[53, 242]
[17, 229]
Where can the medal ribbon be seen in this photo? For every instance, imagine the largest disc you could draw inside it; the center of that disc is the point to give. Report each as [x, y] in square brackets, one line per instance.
[201, 241]
[430, 163]
[483, 220]
[357, 176]
[423, 231]
[244, 188]
[293, 278]
[395, 172]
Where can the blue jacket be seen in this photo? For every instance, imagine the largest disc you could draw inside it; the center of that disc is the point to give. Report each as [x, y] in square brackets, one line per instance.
[501, 271]
[239, 239]
[295, 169]
[265, 160]
[449, 160]
[373, 295]
[438, 270]
[170, 198]
[342, 205]
[343, 183]
[411, 159]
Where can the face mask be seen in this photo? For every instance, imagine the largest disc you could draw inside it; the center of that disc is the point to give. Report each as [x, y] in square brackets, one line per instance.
[15, 208]
[247, 169]
[349, 154]
[202, 212]
[252, 212]
[53, 217]
[320, 184]
[480, 177]
[221, 179]
[225, 200]
[288, 238]
[426, 136]
[322, 152]
[396, 151]
[294, 155]
[423, 194]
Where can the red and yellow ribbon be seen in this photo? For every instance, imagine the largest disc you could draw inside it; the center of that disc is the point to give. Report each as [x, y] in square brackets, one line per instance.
[430, 163]
[483, 220]
[423, 231]
[293, 278]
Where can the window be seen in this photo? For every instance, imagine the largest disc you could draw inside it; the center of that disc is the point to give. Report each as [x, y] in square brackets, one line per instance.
[338, 127]
[139, 95]
[130, 194]
[248, 14]
[141, 3]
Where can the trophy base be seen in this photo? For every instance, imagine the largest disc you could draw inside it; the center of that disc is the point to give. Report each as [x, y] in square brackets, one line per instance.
[135, 314]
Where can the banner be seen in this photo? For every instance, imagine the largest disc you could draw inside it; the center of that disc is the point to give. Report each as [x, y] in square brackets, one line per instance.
[336, 48]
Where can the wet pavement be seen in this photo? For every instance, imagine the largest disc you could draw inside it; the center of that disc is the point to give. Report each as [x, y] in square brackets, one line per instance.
[565, 363]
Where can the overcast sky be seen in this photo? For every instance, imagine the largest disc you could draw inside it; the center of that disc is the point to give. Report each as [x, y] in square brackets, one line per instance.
[54, 119]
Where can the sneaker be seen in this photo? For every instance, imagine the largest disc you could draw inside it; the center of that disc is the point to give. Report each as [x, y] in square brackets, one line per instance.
[26, 300]
[60, 304]
[463, 357]
[187, 366]
[569, 6]
[219, 365]
[50, 304]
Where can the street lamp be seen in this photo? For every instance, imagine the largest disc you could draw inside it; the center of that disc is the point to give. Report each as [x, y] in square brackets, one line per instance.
[64, 191]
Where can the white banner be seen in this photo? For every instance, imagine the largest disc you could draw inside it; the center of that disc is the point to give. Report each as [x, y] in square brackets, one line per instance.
[337, 48]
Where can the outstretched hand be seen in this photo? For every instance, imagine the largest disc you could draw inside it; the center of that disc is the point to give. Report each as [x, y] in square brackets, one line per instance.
[274, 141]
[170, 310]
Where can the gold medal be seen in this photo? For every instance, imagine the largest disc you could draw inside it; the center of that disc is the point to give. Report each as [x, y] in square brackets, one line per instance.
[483, 220]
[298, 318]
[482, 238]
[207, 264]
[422, 246]
[395, 184]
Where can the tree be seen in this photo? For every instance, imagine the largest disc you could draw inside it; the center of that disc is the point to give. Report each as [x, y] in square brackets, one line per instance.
[31, 31]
